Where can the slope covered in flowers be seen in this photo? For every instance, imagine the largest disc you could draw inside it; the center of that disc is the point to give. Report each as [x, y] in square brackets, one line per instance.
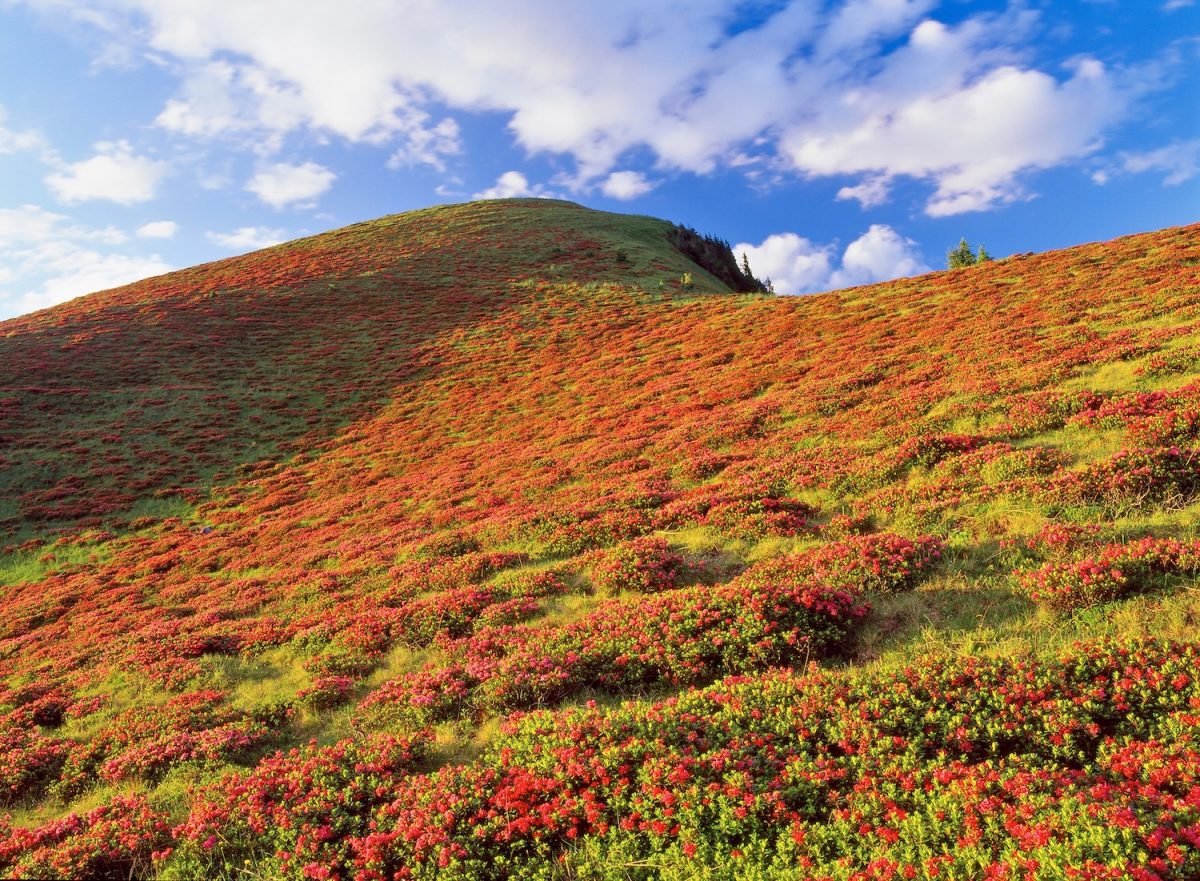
[482, 542]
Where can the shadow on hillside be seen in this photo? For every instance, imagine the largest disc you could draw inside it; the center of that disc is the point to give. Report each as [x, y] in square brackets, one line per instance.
[115, 404]
[928, 619]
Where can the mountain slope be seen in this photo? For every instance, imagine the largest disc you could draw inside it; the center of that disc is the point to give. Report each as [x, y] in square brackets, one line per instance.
[416, 477]
[157, 388]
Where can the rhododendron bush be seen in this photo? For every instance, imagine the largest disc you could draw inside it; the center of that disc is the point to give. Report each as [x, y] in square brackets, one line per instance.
[468, 543]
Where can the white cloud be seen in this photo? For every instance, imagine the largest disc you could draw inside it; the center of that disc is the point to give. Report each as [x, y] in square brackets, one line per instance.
[1180, 161]
[220, 97]
[794, 264]
[871, 192]
[57, 260]
[248, 238]
[797, 265]
[115, 173]
[282, 184]
[626, 185]
[428, 146]
[13, 141]
[158, 229]
[879, 254]
[972, 142]
[871, 89]
[512, 185]
[1172, 5]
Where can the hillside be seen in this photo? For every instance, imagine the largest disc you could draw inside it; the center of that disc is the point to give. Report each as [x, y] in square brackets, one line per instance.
[475, 543]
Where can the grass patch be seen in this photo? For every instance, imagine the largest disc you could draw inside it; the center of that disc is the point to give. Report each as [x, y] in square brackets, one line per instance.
[24, 567]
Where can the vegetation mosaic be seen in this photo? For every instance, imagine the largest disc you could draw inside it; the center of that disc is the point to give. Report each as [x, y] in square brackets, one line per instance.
[504, 541]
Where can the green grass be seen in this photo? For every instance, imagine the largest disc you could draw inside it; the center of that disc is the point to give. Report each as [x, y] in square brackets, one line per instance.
[30, 566]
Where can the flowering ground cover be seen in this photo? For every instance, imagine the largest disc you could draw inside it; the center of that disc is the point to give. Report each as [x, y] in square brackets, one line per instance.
[472, 543]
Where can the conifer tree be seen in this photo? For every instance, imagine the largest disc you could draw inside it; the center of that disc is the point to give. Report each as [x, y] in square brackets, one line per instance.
[957, 258]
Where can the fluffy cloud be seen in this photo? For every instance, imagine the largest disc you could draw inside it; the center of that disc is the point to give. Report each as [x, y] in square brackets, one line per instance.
[158, 229]
[247, 238]
[282, 184]
[879, 254]
[794, 264]
[866, 89]
[626, 185]
[797, 265]
[115, 174]
[57, 259]
[512, 185]
[971, 141]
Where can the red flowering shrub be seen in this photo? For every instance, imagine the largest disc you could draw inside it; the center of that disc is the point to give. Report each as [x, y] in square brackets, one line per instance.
[1030, 462]
[327, 692]
[28, 760]
[1129, 480]
[416, 700]
[1053, 541]
[1121, 410]
[749, 518]
[1044, 411]
[114, 842]
[953, 768]
[1171, 362]
[643, 565]
[569, 534]
[927, 450]
[1176, 427]
[511, 611]
[845, 525]
[1111, 573]
[450, 613]
[679, 637]
[294, 814]
[446, 544]
[701, 464]
[391, 403]
[877, 562]
[196, 726]
[535, 583]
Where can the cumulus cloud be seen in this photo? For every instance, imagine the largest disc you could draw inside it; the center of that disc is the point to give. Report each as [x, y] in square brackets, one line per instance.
[282, 184]
[247, 238]
[972, 141]
[626, 185]
[512, 185]
[879, 254]
[797, 265]
[869, 90]
[57, 259]
[794, 264]
[114, 173]
[158, 229]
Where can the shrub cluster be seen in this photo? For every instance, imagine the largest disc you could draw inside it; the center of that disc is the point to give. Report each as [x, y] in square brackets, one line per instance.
[1109, 573]
[643, 565]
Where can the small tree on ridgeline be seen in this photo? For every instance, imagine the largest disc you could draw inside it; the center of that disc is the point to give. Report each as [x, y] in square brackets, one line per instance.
[957, 258]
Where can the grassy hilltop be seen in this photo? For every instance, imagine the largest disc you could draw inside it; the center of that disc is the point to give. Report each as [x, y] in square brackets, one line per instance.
[502, 540]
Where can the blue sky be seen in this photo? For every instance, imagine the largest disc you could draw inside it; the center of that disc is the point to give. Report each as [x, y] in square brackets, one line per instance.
[836, 142]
